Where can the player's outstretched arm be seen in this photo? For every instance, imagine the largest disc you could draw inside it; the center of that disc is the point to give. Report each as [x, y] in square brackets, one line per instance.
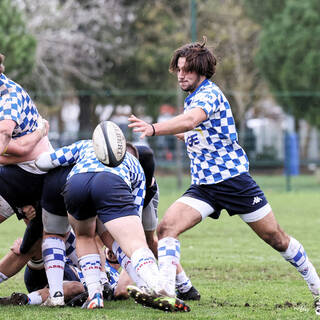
[179, 124]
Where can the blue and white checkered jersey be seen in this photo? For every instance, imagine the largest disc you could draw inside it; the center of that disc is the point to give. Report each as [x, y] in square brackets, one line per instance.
[82, 154]
[213, 145]
[16, 105]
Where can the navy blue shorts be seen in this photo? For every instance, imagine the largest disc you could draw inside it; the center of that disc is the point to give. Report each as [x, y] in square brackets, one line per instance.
[37, 279]
[101, 194]
[238, 195]
[53, 185]
[19, 187]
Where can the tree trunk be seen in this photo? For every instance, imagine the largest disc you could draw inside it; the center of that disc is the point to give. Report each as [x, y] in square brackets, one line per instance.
[85, 117]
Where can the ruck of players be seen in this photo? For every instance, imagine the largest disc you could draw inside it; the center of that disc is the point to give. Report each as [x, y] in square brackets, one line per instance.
[92, 232]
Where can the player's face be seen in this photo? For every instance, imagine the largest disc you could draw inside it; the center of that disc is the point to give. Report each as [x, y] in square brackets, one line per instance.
[188, 81]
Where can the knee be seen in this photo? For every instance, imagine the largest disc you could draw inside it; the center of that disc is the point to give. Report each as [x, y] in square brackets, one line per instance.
[73, 289]
[277, 239]
[165, 230]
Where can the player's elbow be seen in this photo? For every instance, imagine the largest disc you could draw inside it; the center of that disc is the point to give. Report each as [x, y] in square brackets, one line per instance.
[5, 137]
[190, 123]
[21, 149]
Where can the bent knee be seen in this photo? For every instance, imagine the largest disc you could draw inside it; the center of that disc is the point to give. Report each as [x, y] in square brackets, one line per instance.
[166, 230]
[277, 240]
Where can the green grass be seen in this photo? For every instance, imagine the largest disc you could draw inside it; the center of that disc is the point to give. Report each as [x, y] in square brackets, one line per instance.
[238, 275]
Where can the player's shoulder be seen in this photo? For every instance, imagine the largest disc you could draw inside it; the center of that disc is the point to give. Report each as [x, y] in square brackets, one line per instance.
[131, 159]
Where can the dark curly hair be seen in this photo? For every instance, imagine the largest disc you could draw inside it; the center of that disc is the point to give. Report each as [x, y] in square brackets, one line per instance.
[199, 59]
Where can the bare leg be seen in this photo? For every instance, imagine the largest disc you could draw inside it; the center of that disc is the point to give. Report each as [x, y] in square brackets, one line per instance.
[291, 249]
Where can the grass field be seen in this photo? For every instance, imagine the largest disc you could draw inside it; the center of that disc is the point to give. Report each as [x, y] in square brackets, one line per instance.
[238, 275]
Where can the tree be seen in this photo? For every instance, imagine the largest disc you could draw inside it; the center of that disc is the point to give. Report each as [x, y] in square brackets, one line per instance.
[16, 44]
[97, 47]
[289, 57]
[263, 11]
[234, 38]
[158, 28]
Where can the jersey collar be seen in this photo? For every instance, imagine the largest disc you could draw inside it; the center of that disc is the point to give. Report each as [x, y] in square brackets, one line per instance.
[202, 84]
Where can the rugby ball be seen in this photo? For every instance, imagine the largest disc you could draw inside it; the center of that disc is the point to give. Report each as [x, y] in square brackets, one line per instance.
[109, 143]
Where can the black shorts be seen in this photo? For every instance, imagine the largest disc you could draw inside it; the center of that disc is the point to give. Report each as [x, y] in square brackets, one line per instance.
[238, 195]
[37, 279]
[52, 198]
[19, 187]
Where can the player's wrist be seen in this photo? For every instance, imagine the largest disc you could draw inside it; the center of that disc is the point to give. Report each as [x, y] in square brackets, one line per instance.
[153, 130]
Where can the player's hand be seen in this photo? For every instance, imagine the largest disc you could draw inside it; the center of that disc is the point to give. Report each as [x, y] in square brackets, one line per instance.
[139, 125]
[43, 127]
[29, 211]
[180, 136]
[15, 248]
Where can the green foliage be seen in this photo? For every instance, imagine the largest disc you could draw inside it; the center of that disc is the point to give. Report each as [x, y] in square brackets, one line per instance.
[262, 11]
[289, 57]
[16, 44]
[155, 33]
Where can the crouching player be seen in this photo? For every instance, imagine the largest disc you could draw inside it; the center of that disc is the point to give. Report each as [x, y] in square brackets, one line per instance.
[116, 196]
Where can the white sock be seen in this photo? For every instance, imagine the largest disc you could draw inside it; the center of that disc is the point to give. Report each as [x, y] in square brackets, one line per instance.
[90, 266]
[126, 264]
[3, 277]
[296, 255]
[103, 277]
[146, 267]
[183, 283]
[34, 298]
[168, 259]
[53, 253]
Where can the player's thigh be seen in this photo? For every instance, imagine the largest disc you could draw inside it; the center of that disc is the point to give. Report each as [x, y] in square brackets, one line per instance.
[178, 218]
[128, 232]
[270, 231]
[267, 224]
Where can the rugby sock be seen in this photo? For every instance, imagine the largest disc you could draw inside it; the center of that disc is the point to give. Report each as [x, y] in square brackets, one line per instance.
[168, 259]
[146, 267]
[126, 264]
[183, 283]
[3, 277]
[296, 255]
[90, 266]
[103, 277]
[34, 298]
[71, 249]
[53, 253]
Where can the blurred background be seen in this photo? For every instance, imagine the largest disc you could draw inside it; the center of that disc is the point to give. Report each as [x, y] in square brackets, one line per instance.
[84, 61]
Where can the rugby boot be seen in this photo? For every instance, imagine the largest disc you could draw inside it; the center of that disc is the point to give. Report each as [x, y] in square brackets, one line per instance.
[317, 304]
[56, 301]
[148, 299]
[107, 292]
[16, 299]
[96, 302]
[192, 294]
[78, 300]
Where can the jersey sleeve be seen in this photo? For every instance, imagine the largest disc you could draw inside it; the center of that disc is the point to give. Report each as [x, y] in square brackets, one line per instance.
[9, 108]
[67, 155]
[138, 192]
[208, 101]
